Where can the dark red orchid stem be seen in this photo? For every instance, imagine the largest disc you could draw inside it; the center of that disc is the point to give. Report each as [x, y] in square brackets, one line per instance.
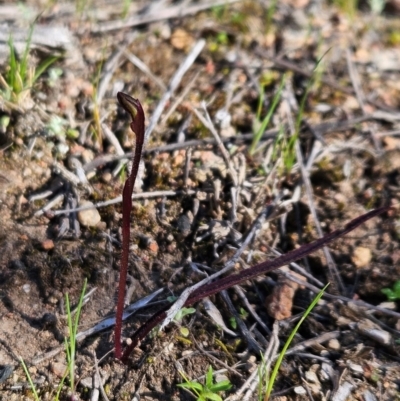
[134, 108]
[254, 271]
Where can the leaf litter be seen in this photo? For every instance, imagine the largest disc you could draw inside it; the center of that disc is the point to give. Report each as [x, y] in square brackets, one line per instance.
[346, 163]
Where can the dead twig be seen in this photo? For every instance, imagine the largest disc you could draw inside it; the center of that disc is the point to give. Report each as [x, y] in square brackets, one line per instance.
[211, 356]
[144, 68]
[228, 266]
[118, 199]
[326, 295]
[335, 278]
[288, 65]
[159, 15]
[355, 81]
[175, 81]
[206, 121]
[251, 342]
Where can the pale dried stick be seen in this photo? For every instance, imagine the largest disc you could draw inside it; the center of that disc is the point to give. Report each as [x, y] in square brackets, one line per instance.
[251, 342]
[340, 297]
[250, 308]
[118, 199]
[100, 384]
[144, 68]
[175, 81]
[211, 356]
[251, 383]
[206, 121]
[355, 81]
[171, 147]
[66, 174]
[177, 11]
[118, 148]
[179, 100]
[299, 269]
[306, 180]
[228, 266]
[112, 139]
[335, 278]
[323, 338]
[110, 66]
[57, 199]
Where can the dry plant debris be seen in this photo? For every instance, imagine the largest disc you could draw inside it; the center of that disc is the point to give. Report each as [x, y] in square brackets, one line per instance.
[206, 74]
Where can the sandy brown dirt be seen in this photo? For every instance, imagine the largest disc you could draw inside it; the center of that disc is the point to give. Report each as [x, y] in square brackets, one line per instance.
[348, 136]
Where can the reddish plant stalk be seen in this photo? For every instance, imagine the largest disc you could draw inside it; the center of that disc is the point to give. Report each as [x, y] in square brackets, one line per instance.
[134, 108]
[254, 271]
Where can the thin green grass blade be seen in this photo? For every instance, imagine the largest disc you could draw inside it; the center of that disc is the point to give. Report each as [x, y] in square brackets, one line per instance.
[193, 386]
[31, 384]
[310, 84]
[267, 119]
[60, 386]
[70, 345]
[288, 342]
[43, 67]
[289, 156]
[24, 59]
[10, 77]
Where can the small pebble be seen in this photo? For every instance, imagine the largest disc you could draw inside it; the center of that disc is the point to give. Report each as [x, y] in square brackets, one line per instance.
[26, 288]
[152, 246]
[58, 368]
[27, 172]
[199, 175]
[106, 177]
[47, 245]
[311, 376]
[326, 372]
[87, 155]
[90, 217]
[355, 368]
[361, 257]
[368, 396]
[334, 344]
[300, 390]
[388, 305]
[52, 300]
[87, 382]
[252, 359]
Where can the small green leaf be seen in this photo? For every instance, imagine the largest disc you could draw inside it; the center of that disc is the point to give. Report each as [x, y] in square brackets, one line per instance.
[184, 331]
[191, 386]
[392, 294]
[232, 322]
[209, 377]
[221, 386]
[212, 396]
[183, 312]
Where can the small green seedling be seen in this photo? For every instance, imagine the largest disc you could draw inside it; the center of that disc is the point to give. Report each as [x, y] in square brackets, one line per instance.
[208, 391]
[243, 315]
[394, 293]
[31, 384]
[260, 126]
[271, 380]
[70, 343]
[20, 77]
[182, 313]
[70, 349]
[178, 319]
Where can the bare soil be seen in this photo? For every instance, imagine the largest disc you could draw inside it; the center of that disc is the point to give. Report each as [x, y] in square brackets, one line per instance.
[349, 140]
